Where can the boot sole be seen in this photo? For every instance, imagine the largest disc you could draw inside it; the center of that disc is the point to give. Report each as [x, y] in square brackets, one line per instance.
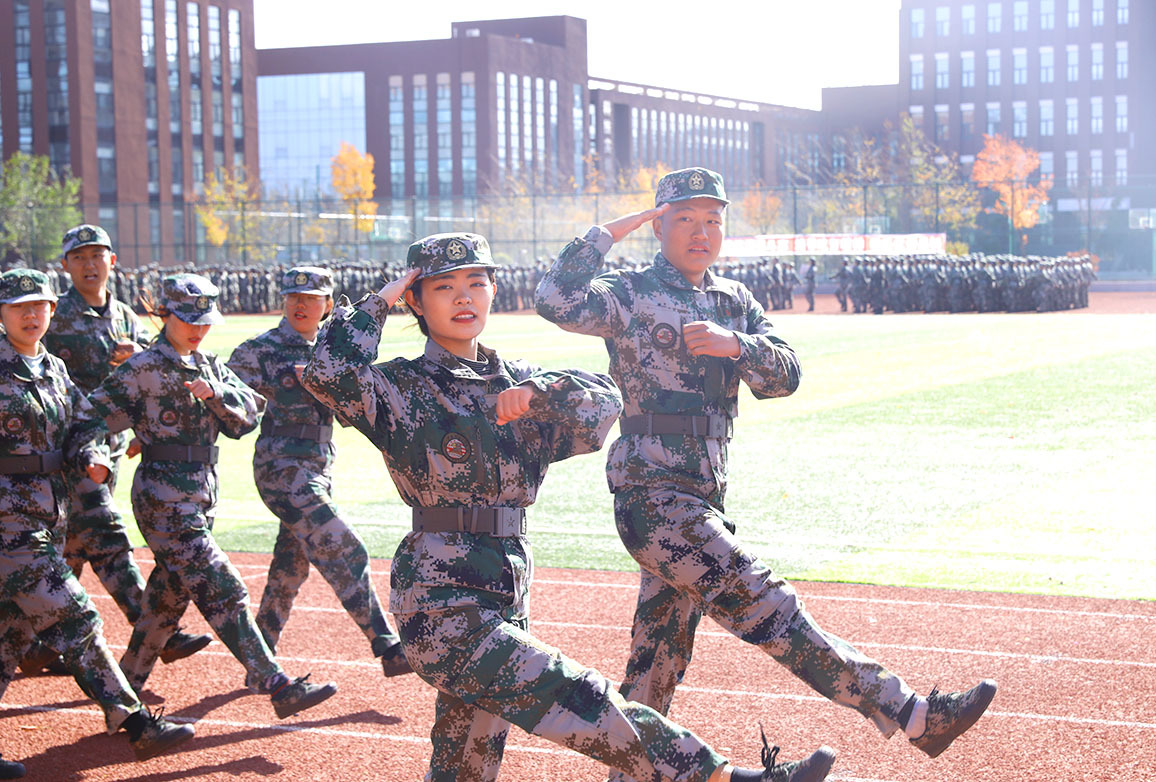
[935, 747]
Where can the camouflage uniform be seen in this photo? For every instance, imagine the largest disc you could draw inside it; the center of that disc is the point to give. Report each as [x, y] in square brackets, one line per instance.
[294, 476]
[84, 338]
[461, 598]
[39, 595]
[669, 488]
[174, 499]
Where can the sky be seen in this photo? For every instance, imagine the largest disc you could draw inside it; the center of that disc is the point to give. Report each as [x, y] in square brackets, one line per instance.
[773, 51]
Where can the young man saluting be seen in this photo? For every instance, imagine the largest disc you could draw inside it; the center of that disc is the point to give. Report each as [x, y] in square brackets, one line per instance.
[680, 339]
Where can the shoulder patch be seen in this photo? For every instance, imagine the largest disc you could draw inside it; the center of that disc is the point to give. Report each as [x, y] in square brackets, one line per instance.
[456, 448]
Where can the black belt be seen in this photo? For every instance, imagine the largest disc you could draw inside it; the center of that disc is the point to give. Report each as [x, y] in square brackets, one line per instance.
[32, 464]
[692, 425]
[205, 454]
[321, 434]
[499, 522]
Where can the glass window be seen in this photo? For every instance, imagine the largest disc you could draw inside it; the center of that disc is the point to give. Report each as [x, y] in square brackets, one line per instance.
[967, 69]
[469, 134]
[515, 124]
[1121, 113]
[1047, 118]
[527, 121]
[942, 21]
[967, 122]
[552, 120]
[1097, 61]
[1121, 12]
[235, 48]
[1072, 168]
[1072, 115]
[193, 35]
[916, 72]
[1097, 13]
[942, 72]
[942, 128]
[577, 115]
[916, 113]
[916, 22]
[1096, 115]
[993, 67]
[420, 114]
[1121, 166]
[1047, 165]
[994, 17]
[443, 119]
[1019, 119]
[1020, 16]
[1073, 13]
[967, 19]
[993, 119]
[1073, 62]
[148, 39]
[1019, 66]
[1096, 167]
[397, 141]
[1121, 59]
[1047, 65]
[1047, 14]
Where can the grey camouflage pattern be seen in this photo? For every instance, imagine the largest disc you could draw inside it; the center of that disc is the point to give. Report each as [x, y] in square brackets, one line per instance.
[294, 478]
[461, 599]
[174, 502]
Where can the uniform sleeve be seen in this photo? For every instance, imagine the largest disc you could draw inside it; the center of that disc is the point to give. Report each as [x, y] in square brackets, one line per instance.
[83, 453]
[237, 407]
[578, 407]
[767, 363]
[110, 408]
[341, 375]
[245, 363]
[576, 295]
[139, 334]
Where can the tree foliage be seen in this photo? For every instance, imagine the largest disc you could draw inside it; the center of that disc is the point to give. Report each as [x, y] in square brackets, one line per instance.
[352, 176]
[760, 209]
[37, 206]
[1005, 167]
[230, 211]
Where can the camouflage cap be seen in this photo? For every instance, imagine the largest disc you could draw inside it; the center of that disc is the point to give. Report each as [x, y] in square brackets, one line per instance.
[442, 253]
[82, 236]
[688, 183]
[20, 285]
[307, 279]
[192, 298]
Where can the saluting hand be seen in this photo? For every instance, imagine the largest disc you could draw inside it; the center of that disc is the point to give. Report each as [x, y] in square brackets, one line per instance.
[513, 403]
[393, 289]
[622, 227]
[200, 389]
[704, 338]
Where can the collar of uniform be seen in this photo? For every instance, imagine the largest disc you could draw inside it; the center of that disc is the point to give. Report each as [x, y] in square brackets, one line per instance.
[166, 349]
[673, 277]
[73, 295]
[438, 355]
[10, 361]
[290, 335]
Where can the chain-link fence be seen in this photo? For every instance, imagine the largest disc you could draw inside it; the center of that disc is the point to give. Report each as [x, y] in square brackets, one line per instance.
[1113, 222]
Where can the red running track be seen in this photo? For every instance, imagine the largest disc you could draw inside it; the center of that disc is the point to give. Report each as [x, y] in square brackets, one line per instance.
[1075, 702]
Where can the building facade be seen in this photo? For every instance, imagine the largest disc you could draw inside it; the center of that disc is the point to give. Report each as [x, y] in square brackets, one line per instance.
[140, 99]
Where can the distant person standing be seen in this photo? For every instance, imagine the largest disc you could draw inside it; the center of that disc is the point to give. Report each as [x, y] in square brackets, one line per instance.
[809, 289]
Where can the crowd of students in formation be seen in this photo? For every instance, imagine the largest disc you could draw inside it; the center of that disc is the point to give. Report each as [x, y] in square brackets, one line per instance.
[467, 436]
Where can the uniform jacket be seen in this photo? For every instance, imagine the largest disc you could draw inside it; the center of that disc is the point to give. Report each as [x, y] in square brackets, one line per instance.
[148, 394]
[84, 338]
[265, 363]
[35, 415]
[434, 421]
[640, 315]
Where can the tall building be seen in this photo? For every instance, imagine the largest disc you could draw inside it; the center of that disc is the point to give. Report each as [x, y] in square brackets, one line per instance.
[499, 102]
[1071, 79]
[140, 99]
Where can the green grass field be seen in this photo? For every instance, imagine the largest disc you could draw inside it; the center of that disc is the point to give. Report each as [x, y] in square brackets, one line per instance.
[998, 452]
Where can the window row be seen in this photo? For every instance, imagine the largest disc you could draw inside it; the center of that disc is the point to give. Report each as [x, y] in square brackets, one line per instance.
[1016, 15]
[994, 61]
[1047, 119]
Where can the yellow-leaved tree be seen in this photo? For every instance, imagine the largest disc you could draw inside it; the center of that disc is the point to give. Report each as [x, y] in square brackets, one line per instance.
[229, 210]
[1006, 167]
[351, 173]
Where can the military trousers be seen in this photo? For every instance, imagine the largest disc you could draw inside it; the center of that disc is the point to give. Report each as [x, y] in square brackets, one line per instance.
[312, 533]
[191, 566]
[41, 598]
[490, 672]
[96, 534]
[692, 564]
